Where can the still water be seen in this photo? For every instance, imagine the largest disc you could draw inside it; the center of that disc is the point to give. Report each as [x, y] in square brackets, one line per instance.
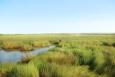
[16, 56]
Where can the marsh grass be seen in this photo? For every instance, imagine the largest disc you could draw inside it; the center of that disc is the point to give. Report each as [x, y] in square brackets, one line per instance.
[74, 56]
[26, 70]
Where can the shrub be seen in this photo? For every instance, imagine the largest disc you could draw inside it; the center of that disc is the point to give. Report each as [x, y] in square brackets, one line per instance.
[113, 44]
[106, 43]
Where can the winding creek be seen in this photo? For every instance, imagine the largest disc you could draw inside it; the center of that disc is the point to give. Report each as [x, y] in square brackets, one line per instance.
[16, 56]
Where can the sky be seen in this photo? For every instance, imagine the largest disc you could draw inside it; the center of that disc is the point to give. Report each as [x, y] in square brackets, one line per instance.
[57, 16]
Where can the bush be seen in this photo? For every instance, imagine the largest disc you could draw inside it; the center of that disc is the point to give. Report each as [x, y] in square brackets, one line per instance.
[104, 43]
[113, 44]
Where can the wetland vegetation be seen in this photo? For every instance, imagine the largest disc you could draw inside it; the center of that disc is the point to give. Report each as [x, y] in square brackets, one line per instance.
[74, 55]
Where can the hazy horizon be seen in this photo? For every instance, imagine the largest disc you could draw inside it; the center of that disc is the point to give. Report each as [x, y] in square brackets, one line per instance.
[57, 16]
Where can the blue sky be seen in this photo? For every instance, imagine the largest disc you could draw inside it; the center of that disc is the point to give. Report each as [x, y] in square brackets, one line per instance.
[57, 16]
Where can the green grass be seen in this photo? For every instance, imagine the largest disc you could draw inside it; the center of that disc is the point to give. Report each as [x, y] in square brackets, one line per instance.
[27, 70]
[74, 56]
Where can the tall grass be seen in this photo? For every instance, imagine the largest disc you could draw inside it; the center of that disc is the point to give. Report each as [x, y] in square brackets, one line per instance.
[74, 56]
[27, 70]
